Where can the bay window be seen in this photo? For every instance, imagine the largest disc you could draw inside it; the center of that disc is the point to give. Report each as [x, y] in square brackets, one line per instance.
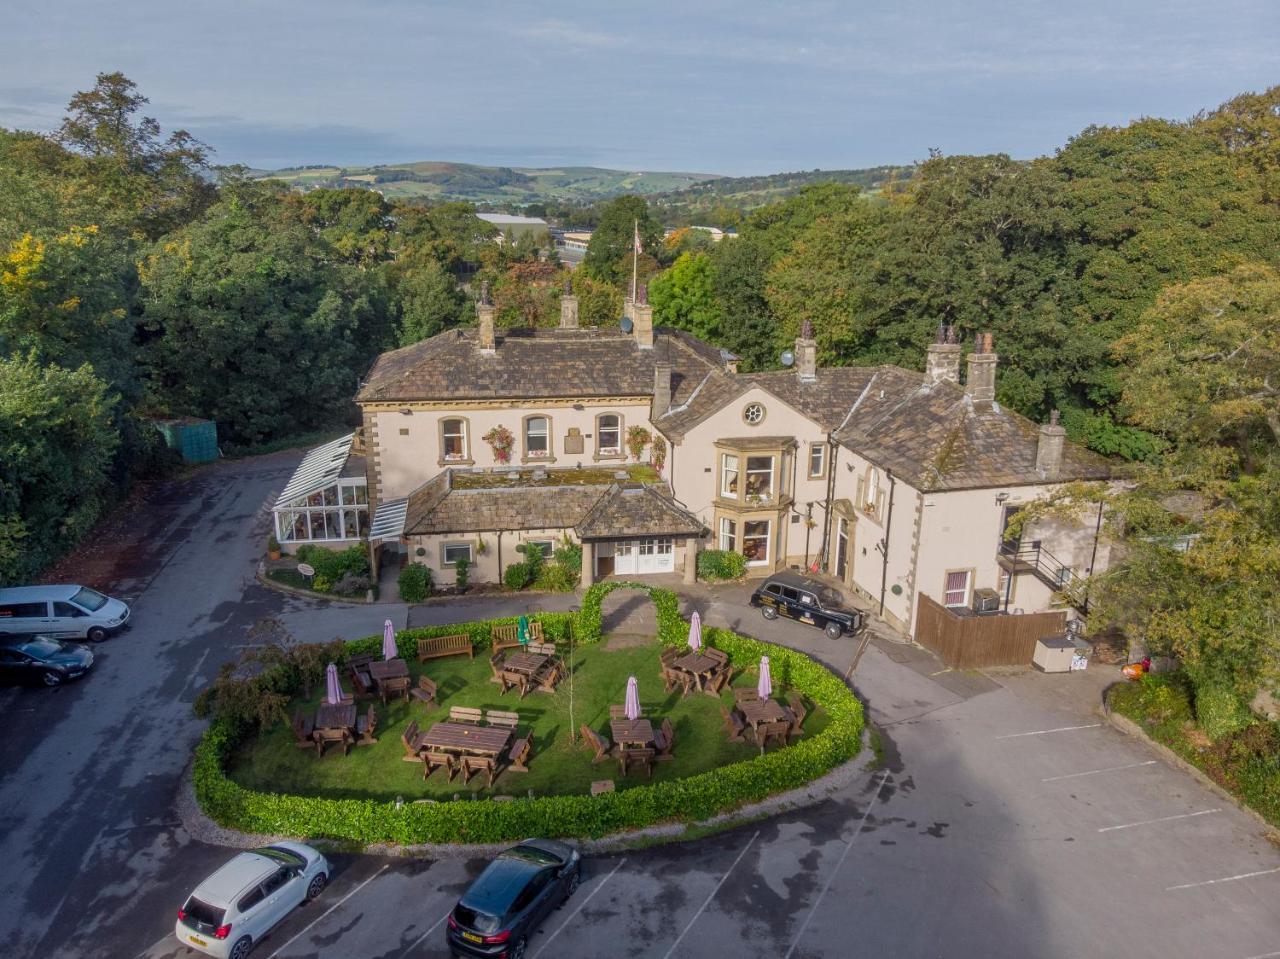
[728, 534]
[755, 541]
[760, 477]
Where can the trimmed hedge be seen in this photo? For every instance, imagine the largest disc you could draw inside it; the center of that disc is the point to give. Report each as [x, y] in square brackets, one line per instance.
[693, 798]
[720, 564]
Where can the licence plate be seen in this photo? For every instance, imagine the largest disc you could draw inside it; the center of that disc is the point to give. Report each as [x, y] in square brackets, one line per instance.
[197, 940]
[472, 937]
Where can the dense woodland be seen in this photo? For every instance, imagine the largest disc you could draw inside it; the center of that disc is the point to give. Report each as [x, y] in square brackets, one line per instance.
[1130, 281]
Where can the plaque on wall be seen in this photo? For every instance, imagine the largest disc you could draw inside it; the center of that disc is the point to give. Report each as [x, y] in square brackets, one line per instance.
[573, 441]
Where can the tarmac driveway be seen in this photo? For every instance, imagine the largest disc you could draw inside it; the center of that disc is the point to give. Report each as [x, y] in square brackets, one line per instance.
[1007, 821]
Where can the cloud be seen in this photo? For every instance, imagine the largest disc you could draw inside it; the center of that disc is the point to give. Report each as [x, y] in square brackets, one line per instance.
[563, 33]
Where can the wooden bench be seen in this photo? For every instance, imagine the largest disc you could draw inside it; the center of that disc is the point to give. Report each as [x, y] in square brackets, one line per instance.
[798, 712]
[434, 647]
[664, 739]
[425, 691]
[472, 765]
[620, 712]
[361, 681]
[519, 756]
[597, 742]
[303, 726]
[544, 649]
[395, 686]
[636, 757]
[733, 725]
[408, 739]
[433, 760]
[505, 637]
[511, 680]
[465, 714]
[497, 717]
[366, 726]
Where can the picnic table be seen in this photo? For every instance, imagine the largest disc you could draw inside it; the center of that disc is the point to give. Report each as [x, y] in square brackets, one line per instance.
[632, 732]
[524, 662]
[698, 664]
[341, 716]
[758, 711]
[381, 669]
[465, 738]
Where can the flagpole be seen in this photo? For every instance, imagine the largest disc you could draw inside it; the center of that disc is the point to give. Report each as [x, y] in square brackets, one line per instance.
[635, 256]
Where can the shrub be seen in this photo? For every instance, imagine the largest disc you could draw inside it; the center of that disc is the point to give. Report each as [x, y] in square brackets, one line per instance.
[516, 576]
[1220, 711]
[273, 544]
[695, 797]
[461, 573]
[321, 584]
[721, 564]
[335, 564]
[415, 583]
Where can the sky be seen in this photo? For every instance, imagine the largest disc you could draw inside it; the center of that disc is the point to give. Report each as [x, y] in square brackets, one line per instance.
[735, 87]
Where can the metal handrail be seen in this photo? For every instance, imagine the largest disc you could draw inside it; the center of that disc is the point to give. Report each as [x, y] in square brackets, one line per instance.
[1041, 560]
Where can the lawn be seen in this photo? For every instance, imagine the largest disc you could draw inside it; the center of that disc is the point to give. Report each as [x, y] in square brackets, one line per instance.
[271, 762]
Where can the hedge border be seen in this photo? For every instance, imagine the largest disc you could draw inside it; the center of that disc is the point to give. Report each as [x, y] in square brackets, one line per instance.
[692, 799]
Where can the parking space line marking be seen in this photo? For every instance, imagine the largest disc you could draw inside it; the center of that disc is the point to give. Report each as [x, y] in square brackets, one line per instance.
[1094, 772]
[1214, 882]
[840, 862]
[573, 915]
[1041, 732]
[413, 945]
[1148, 822]
[706, 902]
[307, 928]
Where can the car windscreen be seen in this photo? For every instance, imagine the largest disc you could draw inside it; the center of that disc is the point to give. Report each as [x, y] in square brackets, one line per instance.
[474, 920]
[831, 598]
[40, 647]
[201, 916]
[89, 599]
[286, 857]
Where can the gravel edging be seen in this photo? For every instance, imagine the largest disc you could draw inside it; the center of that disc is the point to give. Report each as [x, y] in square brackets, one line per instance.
[203, 829]
[1133, 730]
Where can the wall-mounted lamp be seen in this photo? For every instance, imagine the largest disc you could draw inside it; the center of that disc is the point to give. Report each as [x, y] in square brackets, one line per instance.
[1002, 497]
[578, 406]
[405, 411]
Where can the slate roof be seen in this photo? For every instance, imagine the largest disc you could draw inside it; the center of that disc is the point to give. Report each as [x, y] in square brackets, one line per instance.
[637, 511]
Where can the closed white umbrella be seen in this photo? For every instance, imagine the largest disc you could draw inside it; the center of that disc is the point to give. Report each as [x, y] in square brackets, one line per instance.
[632, 705]
[765, 686]
[333, 691]
[389, 650]
[695, 631]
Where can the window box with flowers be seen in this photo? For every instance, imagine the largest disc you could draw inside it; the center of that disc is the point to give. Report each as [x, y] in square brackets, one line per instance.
[501, 441]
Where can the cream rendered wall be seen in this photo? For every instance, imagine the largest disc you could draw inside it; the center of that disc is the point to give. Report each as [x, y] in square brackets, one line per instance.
[407, 460]
[484, 568]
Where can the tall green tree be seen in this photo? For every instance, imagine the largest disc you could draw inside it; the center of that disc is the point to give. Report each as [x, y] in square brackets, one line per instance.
[684, 297]
[609, 253]
[429, 302]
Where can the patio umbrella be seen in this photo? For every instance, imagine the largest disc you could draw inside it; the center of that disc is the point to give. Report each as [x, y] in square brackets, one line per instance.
[333, 692]
[389, 650]
[695, 631]
[522, 630]
[632, 707]
[765, 687]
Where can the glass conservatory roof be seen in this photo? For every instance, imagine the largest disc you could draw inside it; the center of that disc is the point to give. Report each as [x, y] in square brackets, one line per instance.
[318, 469]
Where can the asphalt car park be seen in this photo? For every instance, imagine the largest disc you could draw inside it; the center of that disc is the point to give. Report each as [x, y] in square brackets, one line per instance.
[1008, 818]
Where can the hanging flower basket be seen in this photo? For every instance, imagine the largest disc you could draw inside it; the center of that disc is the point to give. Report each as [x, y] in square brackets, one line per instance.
[501, 441]
[658, 453]
[637, 439]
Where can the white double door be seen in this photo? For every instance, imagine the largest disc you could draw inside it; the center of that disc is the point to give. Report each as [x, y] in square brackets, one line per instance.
[644, 556]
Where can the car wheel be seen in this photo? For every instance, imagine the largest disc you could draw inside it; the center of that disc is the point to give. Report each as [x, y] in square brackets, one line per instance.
[51, 677]
[833, 630]
[517, 951]
[768, 612]
[316, 886]
[241, 949]
[574, 882]
[97, 634]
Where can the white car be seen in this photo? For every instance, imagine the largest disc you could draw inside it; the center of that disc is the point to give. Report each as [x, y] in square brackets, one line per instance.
[240, 903]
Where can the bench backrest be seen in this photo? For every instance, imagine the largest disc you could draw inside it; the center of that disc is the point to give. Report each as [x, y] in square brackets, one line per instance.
[511, 632]
[410, 733]
[455, 643]
[545, 649]
[496, 717]
[465, 714]
[427, 684]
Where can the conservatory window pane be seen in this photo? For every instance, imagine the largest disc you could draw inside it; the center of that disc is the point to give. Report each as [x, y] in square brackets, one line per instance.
[300, 530]
[331, 496]
[363, 516]
[284, 526]
[316, 499]
[350, 525]
[317, 524]
[333, 524]
[362, 493]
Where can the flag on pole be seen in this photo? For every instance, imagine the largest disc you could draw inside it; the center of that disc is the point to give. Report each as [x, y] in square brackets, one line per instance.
[639, 246]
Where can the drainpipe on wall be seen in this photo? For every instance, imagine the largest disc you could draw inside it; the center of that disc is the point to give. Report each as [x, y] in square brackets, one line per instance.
[884, 543]
[499, 532]
[831, 486]
[1093, 559]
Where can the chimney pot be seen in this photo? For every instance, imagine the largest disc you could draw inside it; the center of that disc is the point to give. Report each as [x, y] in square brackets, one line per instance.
[568, 310]
[980, 383]
[943, 357]
[484, 313]
[642, 318]
[661, 389]
[806, 354]
[1050, 447]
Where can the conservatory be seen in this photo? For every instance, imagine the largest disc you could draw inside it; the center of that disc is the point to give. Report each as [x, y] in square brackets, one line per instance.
[326, 500]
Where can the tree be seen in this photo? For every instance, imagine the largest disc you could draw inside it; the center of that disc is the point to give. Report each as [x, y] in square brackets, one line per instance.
[429, 302]
[684, 297]
[599, 304]
[609, 254]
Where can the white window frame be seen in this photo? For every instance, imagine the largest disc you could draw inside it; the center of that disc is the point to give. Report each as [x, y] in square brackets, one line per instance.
[728, 534]
[448, 563]
[444, 440]
[725, 470]
[548, 546]
[302, 514]
[967, 593]
[601, 448]
[821, 450]
[767, 495]
[544, 453]
[768, 537]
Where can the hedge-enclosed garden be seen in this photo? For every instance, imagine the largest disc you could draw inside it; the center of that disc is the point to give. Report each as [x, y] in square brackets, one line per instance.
[250, 776]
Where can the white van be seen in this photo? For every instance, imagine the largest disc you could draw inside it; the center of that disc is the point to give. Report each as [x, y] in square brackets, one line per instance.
[66, 612]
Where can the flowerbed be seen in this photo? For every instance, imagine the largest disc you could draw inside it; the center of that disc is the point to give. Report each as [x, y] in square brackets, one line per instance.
[693, 798]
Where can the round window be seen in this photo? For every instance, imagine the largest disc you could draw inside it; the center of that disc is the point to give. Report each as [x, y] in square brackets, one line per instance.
[753, 413]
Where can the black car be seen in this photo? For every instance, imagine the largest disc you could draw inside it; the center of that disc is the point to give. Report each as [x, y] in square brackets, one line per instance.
[806, 601]
[507, 902]
[41, 660]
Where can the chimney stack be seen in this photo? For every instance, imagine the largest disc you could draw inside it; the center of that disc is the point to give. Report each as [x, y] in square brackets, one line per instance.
[806, 354]
[980, 384]
[484, 312]
[1050, 447]
[661, 388]
[568, 308]
[642, 317]
[943, 361]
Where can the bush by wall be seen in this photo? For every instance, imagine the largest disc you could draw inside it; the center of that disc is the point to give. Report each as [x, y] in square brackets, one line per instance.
[693, 798]
[516, 576]
[348, 568]
[415, 583]
[719, 564]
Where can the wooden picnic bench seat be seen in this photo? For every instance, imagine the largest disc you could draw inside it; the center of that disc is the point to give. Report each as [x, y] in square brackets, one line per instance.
[664, 738]
[776, 731]
[303, 727]
[798, 712]
[733, 725]
[594, 740]
[473, 765]
[717, 681]
[408, 739]
[518, 756]
[325, 736]
[543, 649]
[366, 726]
[425, 691]
[465, 714]
[431, 761]
[456, 644]
[505, 637]
[549, 676]
[360, 659]
[395, 686]
[498, 717]
[627, 758]
[619, 712]
[361, 681]
[719, 655]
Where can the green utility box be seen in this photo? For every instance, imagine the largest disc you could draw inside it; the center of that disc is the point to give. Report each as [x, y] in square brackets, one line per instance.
[196, 440]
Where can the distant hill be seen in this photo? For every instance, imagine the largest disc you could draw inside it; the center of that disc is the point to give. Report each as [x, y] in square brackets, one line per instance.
[488, 185]
[706, 200]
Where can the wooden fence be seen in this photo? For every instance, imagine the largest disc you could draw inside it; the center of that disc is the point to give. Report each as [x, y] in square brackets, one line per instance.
[972, 642]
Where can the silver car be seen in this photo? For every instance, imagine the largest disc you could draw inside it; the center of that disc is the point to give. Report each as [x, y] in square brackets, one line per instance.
[240, 903]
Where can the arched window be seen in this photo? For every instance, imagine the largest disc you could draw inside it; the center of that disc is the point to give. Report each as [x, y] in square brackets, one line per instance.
[608, 434]
[453, 439]
[537, 437]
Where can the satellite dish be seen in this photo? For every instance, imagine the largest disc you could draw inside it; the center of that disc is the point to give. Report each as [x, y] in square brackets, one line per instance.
[625, 324]
[788, 358]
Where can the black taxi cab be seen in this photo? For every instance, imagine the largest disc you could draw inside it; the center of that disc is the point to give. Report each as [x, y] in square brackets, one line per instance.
[806, 601]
